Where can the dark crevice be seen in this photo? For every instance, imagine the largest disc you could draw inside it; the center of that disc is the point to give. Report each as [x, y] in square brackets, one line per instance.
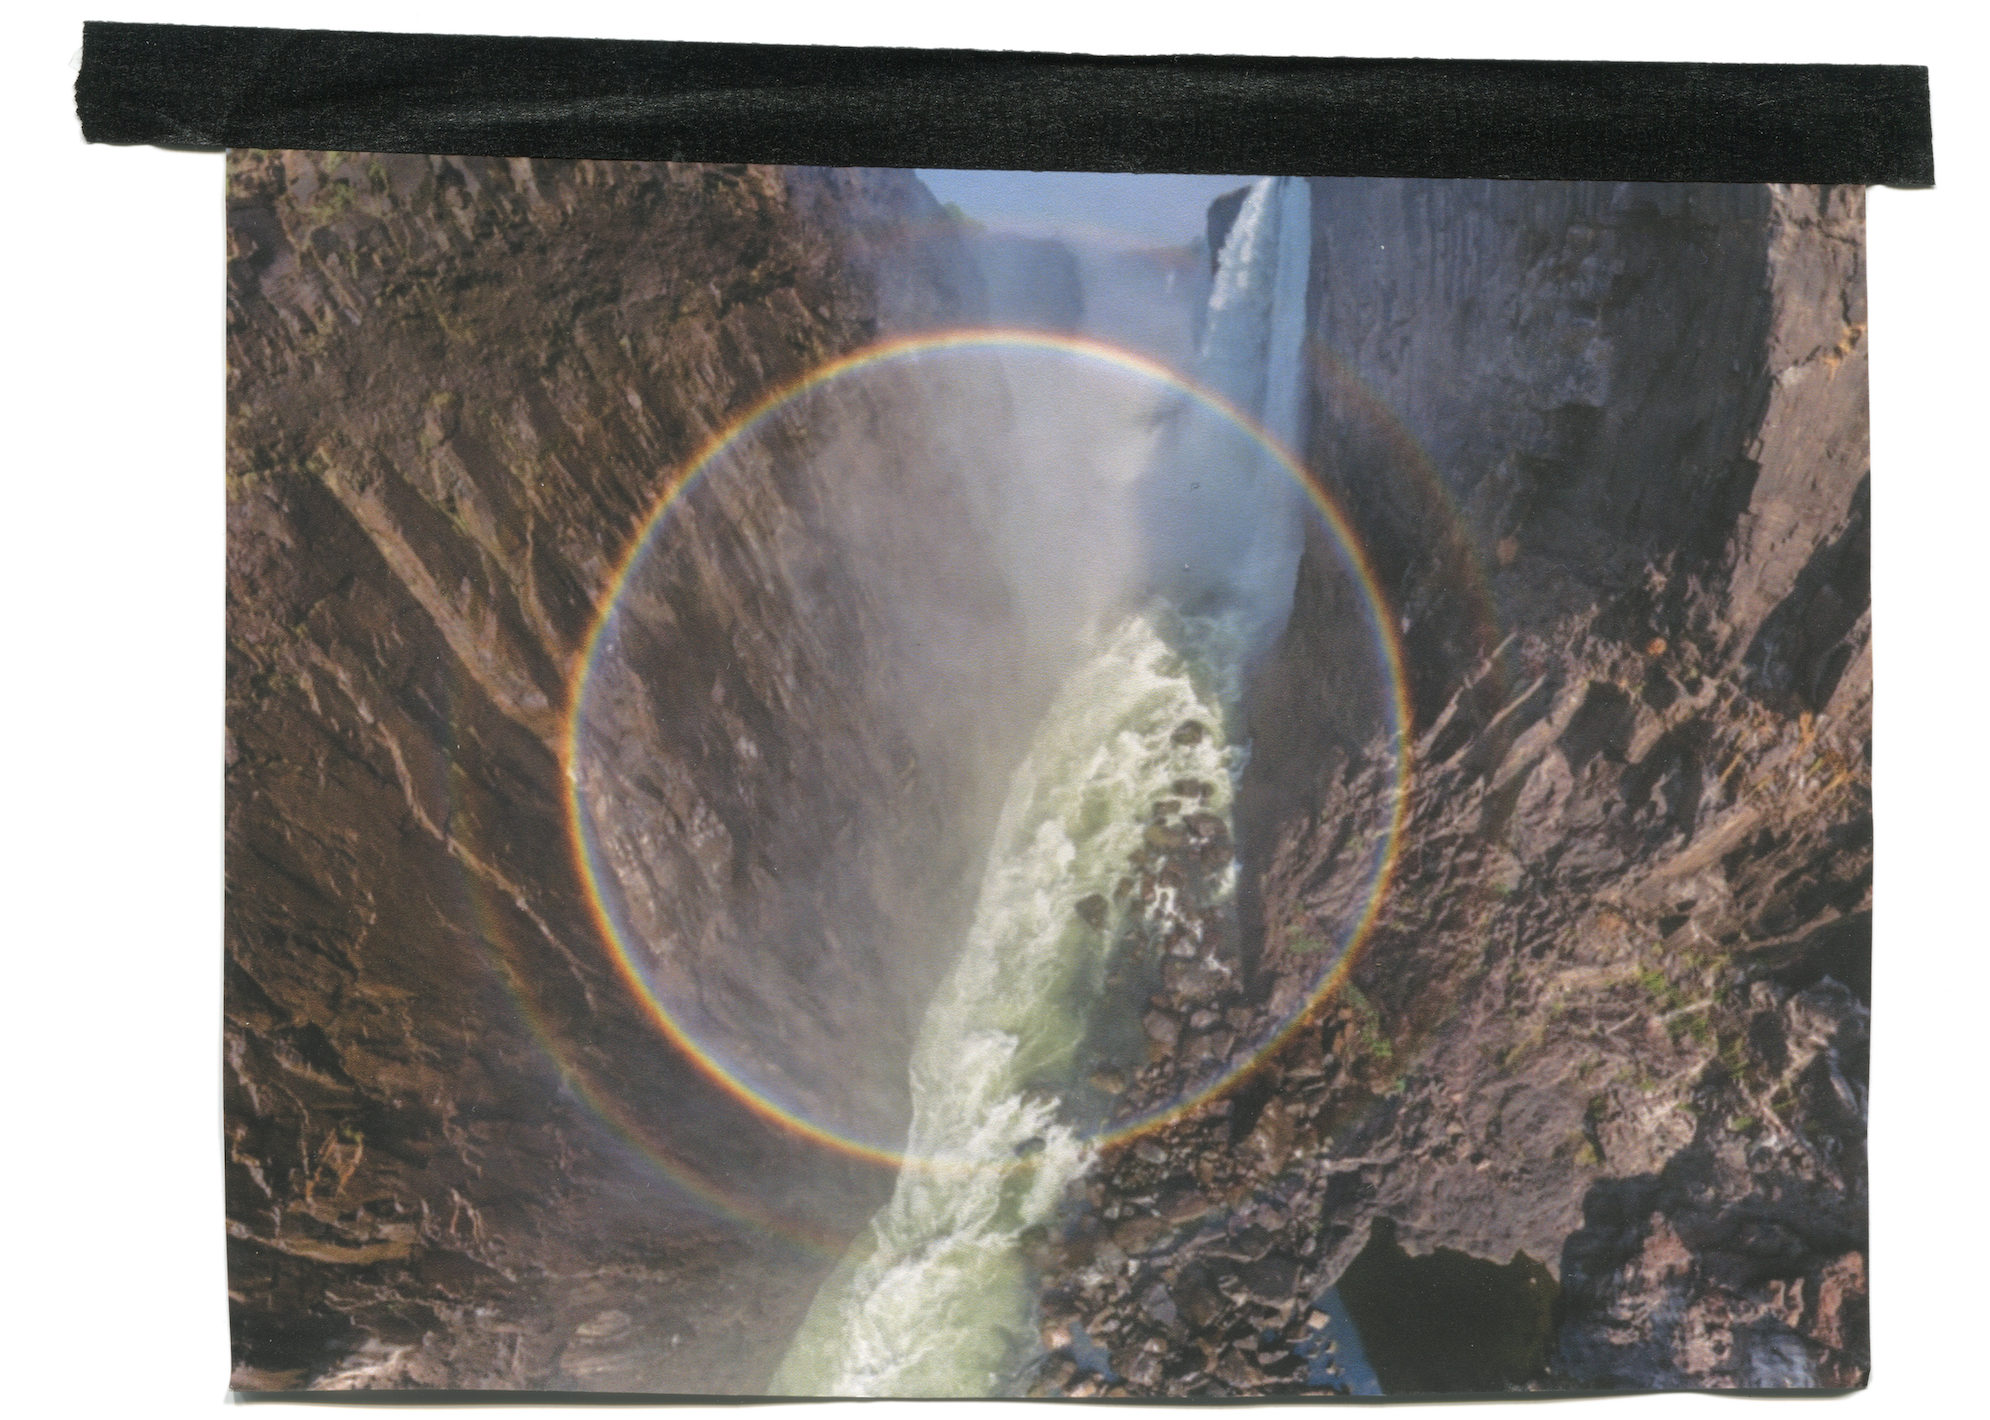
[1446, 1321]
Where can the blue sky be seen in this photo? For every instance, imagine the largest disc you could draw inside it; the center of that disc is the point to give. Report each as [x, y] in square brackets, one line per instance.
[1129, 209]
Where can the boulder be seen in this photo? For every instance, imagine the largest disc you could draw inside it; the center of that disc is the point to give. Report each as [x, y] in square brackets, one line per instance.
[1093, 911]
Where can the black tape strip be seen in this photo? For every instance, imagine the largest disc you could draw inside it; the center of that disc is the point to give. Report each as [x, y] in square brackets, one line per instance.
[201, 86]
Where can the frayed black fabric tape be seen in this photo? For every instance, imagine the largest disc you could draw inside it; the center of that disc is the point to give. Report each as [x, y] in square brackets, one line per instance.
[213, 87]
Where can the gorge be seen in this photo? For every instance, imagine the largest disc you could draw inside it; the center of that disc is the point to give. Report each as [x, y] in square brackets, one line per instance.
[1593, 1083]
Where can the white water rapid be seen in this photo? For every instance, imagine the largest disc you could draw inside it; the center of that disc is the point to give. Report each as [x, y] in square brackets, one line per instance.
[935, 1298]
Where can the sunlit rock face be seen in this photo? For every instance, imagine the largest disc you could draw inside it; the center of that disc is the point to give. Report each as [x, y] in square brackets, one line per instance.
[460, 1154]
[1606, 446]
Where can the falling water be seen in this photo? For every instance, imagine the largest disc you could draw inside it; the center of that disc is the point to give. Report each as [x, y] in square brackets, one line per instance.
[935, 1298]
[1223, 517]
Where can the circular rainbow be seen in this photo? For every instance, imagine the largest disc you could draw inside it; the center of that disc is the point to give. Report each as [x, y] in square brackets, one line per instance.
[624, 954]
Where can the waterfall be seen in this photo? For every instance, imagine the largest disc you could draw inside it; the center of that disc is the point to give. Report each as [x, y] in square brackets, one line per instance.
[1223, 518]
[1283, 409]
[935, 1298]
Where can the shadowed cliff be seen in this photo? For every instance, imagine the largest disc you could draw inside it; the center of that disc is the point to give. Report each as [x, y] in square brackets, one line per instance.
[1606, 445]
[459, 1155]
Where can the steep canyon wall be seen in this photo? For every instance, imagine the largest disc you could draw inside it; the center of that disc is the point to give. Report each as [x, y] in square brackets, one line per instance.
[1606, 445]
[458, 1154]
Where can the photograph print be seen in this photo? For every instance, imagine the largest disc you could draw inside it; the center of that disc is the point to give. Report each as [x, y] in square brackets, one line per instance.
[871, 782]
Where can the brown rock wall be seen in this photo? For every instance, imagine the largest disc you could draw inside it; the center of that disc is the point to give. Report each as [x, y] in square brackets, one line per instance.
[457, 1150]
[1606, 445]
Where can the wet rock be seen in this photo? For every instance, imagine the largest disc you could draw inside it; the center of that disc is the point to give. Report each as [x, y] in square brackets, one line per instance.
[1190, 732]
[1109, 1080]
[1161, 1028]
[1206, 827]
[1093, 911]
[1166, 837]
[1040, 1250]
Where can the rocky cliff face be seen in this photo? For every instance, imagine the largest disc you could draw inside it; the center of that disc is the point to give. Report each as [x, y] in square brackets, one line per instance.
[1589, 1112]
[457, 1153]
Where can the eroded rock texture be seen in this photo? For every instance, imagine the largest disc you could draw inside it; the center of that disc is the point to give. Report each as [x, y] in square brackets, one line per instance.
[458, 1155]
[1593, 1094]
[1607, 446]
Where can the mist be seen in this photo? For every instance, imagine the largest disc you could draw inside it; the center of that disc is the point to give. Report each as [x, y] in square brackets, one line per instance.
[1148, 539]
[1113, 489]
[979, 519]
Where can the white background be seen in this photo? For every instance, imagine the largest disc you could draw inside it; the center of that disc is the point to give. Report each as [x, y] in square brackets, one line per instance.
[111, 650]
